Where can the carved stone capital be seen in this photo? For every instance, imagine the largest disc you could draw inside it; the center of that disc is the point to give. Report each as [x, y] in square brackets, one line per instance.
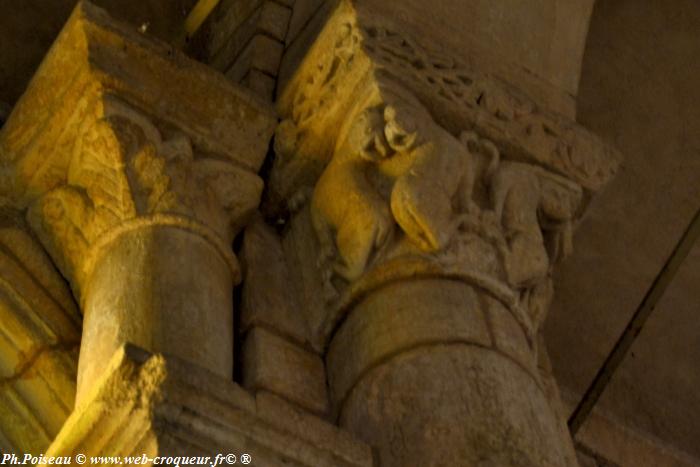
[355, 62]
[137, 167]
[410, 164]
[125, 176]
[118, 132]
[425, 206]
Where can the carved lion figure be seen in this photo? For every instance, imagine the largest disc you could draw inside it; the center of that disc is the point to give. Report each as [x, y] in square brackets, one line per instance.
[435, 175]
[347, 204]
[525, 199]
[430, 173]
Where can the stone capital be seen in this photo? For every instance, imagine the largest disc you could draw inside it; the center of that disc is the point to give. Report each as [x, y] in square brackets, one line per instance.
[117, 132]
[411, 164]
[137, 166]
[358, 59]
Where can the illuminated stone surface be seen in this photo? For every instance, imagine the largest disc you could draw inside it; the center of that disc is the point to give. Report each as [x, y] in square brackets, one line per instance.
[137, 166]
[427, 179]
[39, 340]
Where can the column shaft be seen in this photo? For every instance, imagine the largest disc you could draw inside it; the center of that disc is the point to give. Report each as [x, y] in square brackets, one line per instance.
[164, 289]
[436, 372]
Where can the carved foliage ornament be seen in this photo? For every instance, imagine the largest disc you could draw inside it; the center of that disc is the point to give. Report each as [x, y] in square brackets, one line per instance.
[124, 175]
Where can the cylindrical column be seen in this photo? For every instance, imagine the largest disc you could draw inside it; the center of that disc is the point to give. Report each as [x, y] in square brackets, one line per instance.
[437, 372]
[165, 289]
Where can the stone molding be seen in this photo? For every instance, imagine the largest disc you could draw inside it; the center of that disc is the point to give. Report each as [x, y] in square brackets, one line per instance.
[175, 409]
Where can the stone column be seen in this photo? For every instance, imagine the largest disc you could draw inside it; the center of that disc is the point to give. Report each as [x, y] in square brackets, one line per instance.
[427, 204]
[138, 167]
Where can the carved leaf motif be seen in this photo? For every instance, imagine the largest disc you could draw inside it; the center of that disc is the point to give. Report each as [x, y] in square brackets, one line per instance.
[152, 183]
[98, 167]
[62, 220]
[318, 88]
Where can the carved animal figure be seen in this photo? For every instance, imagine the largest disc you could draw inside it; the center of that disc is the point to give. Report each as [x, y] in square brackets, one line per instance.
[346, 209]
[524, 198]
[434, 173]
[432, 176]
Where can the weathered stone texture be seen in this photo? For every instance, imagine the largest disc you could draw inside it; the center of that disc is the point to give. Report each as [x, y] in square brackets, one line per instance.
[159, 405]
[276, 351]
[398, 318]
[160, 288]
[272, 363]
[269, 298]
[261, 53]
[584, 460]
[245, 40]
[260, 83]
[302, 13]
[456, 404]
